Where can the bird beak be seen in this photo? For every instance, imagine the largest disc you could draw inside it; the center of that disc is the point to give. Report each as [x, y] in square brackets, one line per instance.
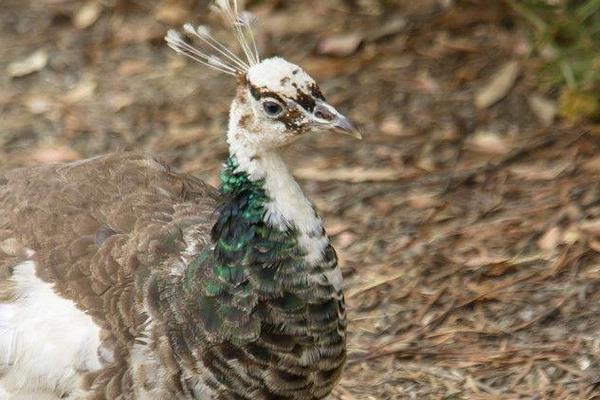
[328, 118]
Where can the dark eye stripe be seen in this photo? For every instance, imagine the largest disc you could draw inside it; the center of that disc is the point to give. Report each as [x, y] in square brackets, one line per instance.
[305, 101]
[254, 92]
[316, 93]
[261, 93]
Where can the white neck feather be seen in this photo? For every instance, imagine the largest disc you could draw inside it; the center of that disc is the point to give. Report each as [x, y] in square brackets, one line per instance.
[289, 207]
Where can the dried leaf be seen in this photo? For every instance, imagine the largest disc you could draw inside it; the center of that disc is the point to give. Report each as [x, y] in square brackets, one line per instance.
[393, 126]
[544, 109]
[481, 260]
[33, 63]
[595, 245]
[54, 154]
[489, 143]
[87, 15]
[571, 236]
[85, 88]
[550, 239]
[119, 101]
[423, 201]
[340, 45]
[501, 83]
[38, 104]
[533, 172]
[346, 239]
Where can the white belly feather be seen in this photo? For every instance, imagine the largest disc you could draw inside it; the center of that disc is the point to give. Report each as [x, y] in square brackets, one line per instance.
[45, 341]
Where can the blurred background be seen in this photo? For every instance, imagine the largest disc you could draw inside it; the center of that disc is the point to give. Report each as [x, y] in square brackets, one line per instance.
[468, 220]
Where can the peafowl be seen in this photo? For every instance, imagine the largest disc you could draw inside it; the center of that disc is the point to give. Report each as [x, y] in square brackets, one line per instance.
[121, 278]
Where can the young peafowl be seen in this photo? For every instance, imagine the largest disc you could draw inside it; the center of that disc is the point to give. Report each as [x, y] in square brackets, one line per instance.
[123, 279]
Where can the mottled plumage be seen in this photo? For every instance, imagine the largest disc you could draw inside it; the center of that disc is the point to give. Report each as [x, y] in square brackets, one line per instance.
[123, 279]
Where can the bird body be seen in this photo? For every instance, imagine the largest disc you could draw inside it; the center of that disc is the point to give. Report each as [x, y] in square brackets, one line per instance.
[121, 278]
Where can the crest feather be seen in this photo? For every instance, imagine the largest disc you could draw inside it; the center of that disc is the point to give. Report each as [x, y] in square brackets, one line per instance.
[215, 54]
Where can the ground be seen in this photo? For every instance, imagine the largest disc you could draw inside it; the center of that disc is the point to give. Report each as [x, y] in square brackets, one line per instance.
[467, 221]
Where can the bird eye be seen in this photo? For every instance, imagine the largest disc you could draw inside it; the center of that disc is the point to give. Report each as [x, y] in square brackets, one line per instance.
[272, 109]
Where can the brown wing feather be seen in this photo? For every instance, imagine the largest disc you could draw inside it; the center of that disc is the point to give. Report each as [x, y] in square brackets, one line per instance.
[97, 228]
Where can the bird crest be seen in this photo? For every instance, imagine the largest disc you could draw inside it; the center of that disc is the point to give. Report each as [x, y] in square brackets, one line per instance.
[211, 52]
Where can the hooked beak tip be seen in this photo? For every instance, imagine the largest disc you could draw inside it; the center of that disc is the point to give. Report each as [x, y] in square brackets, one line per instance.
[345, 126]
[329, 118]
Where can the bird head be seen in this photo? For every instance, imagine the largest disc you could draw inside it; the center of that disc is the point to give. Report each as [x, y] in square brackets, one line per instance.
[276, 101]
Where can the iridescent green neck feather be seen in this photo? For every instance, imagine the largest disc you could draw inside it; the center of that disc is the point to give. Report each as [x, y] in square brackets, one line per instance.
[252, 300]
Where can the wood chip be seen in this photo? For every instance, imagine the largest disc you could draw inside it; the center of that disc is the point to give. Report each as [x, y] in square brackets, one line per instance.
[422, 201]
[489, 143]
[340, 45]
[54, 154]
[550, 239]
[85, 88]
[119, 101]
[38, 104]
[87, 15]
[501, 83]
[532, 172]
[33, 63]
[544, 109]
[393, 126]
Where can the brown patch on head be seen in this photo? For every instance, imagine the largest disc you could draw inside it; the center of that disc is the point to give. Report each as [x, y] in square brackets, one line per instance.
[305, 101]
[292, 119]
[244, 121]
[315, 91]
[262, 92]
[240, 96]
[242, 79]
[284, 80]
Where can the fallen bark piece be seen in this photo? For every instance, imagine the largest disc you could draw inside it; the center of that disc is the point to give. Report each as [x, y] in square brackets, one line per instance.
[544, 109]
[33, 63]
[499, 86]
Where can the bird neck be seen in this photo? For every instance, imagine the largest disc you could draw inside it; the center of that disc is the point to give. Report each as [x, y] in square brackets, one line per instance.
[286, 207]
[266, 295]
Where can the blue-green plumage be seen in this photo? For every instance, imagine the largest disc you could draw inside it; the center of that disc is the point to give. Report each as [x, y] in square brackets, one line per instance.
[252, 296]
